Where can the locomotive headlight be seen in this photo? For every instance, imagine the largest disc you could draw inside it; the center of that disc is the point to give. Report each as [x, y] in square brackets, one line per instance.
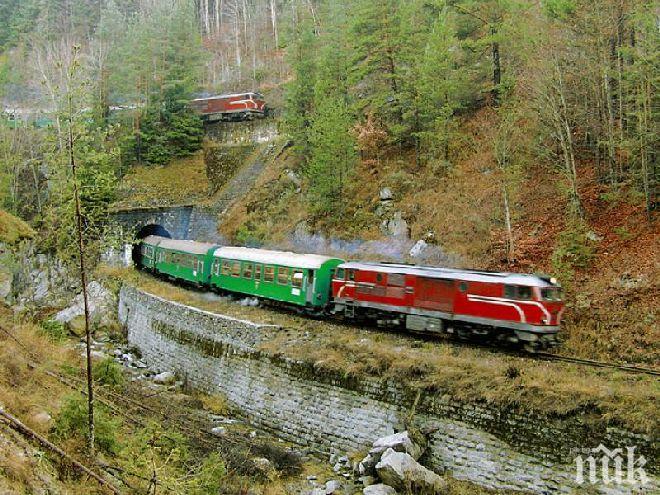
[553, 281]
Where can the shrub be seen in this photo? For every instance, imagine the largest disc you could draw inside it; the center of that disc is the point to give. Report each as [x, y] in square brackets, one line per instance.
[108, 372]
[54, 330]
[573, 250]
[71, 422]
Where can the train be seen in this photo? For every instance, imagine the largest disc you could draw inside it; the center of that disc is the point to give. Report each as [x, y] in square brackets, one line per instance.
[520, 309]
[231, 107]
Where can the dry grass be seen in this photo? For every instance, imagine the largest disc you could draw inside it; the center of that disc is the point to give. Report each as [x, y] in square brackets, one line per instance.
[183, 181]
[465, 372]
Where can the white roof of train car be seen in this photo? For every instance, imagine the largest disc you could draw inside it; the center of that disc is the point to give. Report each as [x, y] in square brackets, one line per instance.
[452, 273]
[283, 258]
[192, 247]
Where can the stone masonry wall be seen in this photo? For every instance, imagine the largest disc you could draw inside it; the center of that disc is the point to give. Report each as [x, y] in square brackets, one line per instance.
[486, 445]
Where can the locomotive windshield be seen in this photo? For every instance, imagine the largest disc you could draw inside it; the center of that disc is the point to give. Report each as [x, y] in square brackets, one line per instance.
[551, 294]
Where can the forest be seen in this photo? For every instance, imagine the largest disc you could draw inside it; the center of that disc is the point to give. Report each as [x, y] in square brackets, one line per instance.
[509, 134]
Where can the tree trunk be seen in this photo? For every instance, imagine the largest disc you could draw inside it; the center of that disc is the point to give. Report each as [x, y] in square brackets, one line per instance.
[497, 69]
[83, 278]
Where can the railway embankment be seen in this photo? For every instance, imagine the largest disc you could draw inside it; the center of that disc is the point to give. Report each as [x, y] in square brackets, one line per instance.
[291, 382]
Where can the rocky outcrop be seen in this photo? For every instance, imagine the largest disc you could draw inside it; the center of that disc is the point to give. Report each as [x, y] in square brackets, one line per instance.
[101, 305]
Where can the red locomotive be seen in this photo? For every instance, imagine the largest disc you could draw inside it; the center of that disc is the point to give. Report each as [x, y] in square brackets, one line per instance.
[237, 106]
[499, 306]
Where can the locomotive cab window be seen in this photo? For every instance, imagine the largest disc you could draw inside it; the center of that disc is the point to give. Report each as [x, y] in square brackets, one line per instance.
[269, 274]
[247, 270]
[341, 274]
[283, 276]
[297, 279]
[551, 294]
[463, 286]
[351, 275]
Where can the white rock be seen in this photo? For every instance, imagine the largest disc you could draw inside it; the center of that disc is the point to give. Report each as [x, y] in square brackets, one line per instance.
[400, 470]
[379, 489]
[165, 378]
[262, 464]
[332, 487]
[399, 442]
[219, 431]
[386, 194]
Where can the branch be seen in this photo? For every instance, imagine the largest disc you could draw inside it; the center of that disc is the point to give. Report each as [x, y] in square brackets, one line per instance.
[17, 425]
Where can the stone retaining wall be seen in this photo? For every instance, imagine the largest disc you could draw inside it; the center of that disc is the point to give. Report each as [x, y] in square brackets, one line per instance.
[325, 411]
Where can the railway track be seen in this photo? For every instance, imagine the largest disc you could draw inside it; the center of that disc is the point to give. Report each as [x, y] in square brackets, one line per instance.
[596, 364]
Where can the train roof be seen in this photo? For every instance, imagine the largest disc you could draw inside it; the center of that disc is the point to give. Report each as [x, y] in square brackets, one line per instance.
[283, 258]
[192, 247]
[228, 95]
[454, 273]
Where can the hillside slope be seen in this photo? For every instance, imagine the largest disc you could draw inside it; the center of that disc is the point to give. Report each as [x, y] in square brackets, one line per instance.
[612, 295]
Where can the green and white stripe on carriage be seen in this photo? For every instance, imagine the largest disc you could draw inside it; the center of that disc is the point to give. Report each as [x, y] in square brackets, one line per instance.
[299, 279]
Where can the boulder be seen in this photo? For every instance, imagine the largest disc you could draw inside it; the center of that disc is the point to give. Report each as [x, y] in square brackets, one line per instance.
[399, 442]
[386, 194]
[367, 466]
[402, 472]
[263, 465]
[379, 489]
[333, 487]
[165, 378]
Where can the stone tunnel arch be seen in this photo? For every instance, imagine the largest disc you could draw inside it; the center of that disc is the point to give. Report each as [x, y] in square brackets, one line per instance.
[147, 230]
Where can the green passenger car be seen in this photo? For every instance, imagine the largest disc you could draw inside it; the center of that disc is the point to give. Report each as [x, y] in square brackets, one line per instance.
[183, 260]
[299, 279]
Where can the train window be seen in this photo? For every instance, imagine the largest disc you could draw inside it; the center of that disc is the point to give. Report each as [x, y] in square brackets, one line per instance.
[396, 280]
[257, 272]
[297, 279]
[524, 292]
[283, 276]
[463, 287]
[216, 267]
[351, 274]
[236, 269]
[521, 292]
[226, 267]
[379, 277]
[269, 274]
[247, 270]
[341, 274]
[551, 294]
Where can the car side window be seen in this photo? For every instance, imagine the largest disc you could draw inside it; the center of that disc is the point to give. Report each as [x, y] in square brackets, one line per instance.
[226, 267]
[269, 274]
[236, 269]
[283, 276]
[257, 272]
[247, 270]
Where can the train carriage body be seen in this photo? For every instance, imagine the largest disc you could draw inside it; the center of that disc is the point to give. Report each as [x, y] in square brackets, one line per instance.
[517, 307]
[179, 259]
[302, 280]
[237, 106]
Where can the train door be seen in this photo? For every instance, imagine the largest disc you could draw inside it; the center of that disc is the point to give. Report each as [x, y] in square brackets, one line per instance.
[310, 286]
[435, 294]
